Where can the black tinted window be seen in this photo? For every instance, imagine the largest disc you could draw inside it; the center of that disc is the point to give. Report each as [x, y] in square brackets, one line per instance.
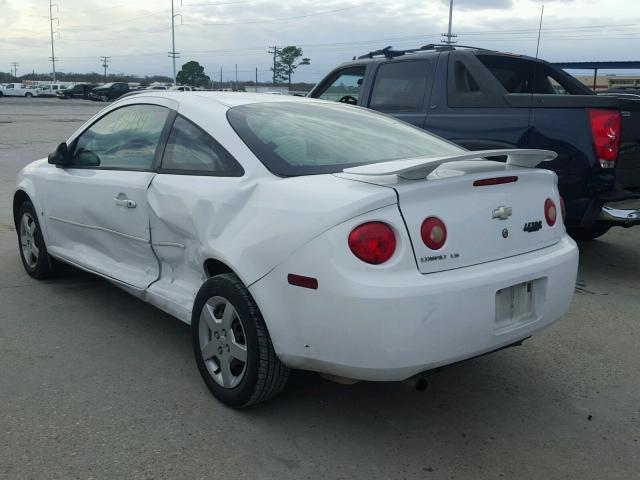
[400, 86]
[521, 75]
[190, 149]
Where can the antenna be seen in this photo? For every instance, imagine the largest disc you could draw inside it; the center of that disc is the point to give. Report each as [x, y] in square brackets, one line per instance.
[535, 68]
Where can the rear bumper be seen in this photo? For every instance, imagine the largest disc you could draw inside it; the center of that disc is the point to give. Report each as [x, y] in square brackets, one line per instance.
[391, 327]
[625, 212]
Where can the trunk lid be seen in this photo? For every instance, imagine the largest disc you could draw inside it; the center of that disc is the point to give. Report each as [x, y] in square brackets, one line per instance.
[483, 223]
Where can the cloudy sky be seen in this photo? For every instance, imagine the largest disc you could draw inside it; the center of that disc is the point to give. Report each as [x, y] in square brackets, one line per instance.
[223, 33]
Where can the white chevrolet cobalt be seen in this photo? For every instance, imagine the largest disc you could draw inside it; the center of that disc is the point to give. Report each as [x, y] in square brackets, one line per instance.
[294, 233]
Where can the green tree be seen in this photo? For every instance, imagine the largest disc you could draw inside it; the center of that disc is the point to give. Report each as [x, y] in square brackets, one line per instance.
[192, 73]
[287, 60]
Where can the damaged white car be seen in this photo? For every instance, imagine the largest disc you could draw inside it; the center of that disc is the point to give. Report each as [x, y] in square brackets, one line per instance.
[300, 234]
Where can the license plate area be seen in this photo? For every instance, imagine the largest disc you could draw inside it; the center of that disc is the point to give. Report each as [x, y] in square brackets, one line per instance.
[516, 305]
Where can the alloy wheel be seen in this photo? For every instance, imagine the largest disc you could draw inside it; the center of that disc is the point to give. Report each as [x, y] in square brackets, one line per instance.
[223, 343]
[28, 230]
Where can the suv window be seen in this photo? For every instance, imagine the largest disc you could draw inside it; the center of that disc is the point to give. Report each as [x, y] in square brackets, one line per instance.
[516, 74]
[345, 84]
[190, 149]
[125, 138]
[400, 86]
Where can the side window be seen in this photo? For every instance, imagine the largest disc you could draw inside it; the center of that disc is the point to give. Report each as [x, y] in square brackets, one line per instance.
[517, 76]
[346, 87]
[400, 86]
[190, 149]
[125, 138]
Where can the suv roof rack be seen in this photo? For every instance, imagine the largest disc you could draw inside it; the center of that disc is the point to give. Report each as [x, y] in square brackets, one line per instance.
[389, 52]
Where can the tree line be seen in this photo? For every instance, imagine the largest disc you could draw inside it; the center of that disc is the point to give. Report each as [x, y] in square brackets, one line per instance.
[285, 62]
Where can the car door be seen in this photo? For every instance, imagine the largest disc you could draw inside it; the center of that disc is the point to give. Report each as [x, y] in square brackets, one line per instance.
[469, 108]
[96, 208]
[401, 88]
[10, 90]
[190, 202]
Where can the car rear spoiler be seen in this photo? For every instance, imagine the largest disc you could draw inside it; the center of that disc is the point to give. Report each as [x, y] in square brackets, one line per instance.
[419, 168]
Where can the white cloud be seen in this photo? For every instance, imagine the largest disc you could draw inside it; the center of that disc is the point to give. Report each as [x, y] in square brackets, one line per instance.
[137, 34]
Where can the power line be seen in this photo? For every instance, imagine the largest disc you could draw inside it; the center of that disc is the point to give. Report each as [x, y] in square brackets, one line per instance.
[14, 65]
[297, 17]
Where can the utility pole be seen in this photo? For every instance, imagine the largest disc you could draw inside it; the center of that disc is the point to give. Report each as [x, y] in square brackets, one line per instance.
[53, 53]
[256, 79]
[173, 54]
[236, 76]
[275, 59]
[105, 64]
[449, 36]
[14, 65]
[221, 87]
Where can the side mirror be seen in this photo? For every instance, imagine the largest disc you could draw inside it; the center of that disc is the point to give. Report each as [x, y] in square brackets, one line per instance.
[60, 156]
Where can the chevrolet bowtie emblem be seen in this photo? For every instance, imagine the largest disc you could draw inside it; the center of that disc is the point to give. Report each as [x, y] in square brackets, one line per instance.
[502, 213]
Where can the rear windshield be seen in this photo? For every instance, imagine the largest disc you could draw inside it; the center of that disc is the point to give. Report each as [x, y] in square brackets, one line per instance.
[311, 138]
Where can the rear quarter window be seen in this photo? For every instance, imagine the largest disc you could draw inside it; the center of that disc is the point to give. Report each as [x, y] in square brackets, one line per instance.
[400, 86]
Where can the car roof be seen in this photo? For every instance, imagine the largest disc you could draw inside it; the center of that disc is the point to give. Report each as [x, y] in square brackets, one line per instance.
[227, 99]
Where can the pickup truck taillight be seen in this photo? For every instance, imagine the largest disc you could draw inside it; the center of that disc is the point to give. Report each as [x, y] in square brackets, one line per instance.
[605, 131]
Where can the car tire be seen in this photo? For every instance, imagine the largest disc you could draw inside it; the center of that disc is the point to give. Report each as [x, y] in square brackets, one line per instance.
[232, 348]
[580, 234]
[104, 98]
[33, 251]
[28, 95]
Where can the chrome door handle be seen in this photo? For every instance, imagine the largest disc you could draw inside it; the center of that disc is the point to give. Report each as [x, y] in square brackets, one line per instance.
[124, 202]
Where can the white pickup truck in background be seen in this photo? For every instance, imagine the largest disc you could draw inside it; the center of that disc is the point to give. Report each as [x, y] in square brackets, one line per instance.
[18, 90]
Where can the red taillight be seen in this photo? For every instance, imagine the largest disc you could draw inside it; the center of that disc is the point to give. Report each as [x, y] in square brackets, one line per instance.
[550, 212]
[494, 181]
[373, 242]
[563, 210]
[434, 233]
[605, 130]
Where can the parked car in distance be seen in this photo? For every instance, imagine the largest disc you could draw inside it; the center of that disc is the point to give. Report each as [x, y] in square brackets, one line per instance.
[181, 88]
[157, 87]
[109, 91]
[18, 90]
[79, 90]
[297, 233]
[483, 99]
[50, 90]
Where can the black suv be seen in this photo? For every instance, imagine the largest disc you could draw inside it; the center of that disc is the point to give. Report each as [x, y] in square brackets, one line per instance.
[109, 91]
[79, 90]
[483, 99]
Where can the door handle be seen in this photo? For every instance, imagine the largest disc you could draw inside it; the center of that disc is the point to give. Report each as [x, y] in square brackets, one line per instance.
[124, 202]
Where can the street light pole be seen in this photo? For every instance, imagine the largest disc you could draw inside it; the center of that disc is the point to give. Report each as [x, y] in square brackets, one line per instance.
[53, 54]
[173, 54]
[449, 36]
